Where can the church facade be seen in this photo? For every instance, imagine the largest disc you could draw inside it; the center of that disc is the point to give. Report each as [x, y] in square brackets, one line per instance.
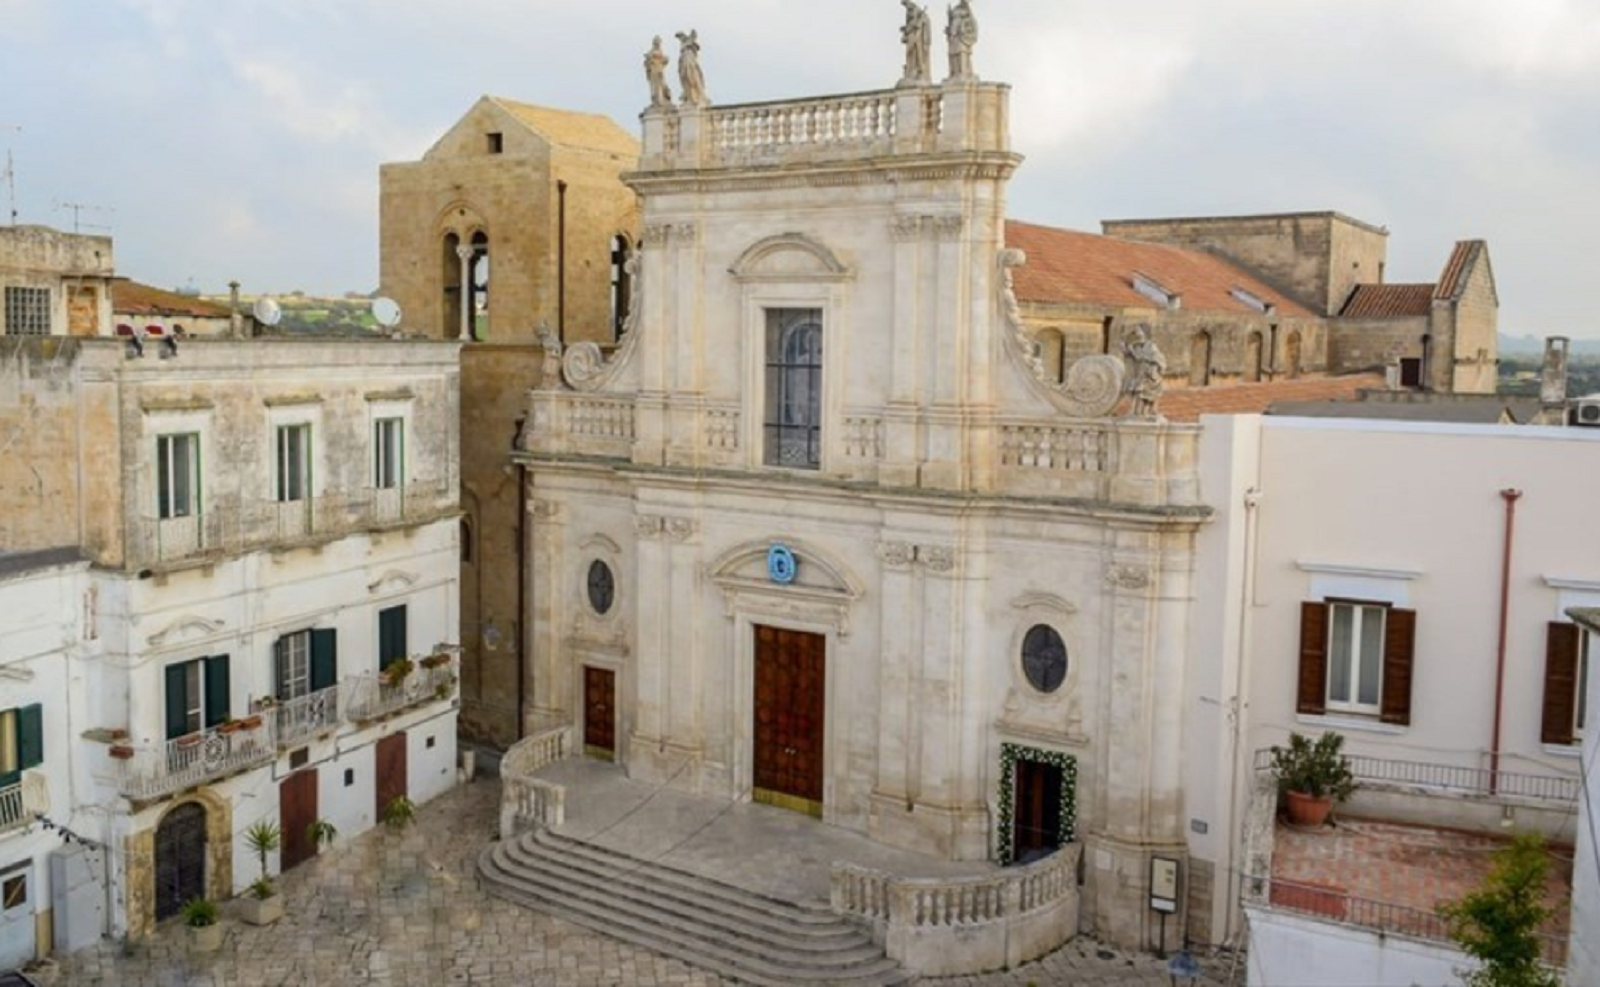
[824, 532]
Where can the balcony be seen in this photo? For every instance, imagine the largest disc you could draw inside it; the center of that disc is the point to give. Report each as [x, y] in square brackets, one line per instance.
[234, 526]
[194, 759]
[376, 695]
[299, 720]
[13, 814]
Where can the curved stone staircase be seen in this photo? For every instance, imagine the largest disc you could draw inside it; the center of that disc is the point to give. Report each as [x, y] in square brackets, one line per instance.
[732, 932]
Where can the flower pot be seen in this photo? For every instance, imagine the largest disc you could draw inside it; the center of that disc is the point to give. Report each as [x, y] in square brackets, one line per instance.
[232, 726]
[205, 938]
[261, 911]
[1306, 811]
[252, 722]
[122, 752]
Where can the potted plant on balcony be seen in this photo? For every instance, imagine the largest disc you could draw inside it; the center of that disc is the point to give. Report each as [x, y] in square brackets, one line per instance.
[396, 672]
[231, 725]
[1312, 775]
[122, 752]
[262, 906]
[205, 934]
[436, 660]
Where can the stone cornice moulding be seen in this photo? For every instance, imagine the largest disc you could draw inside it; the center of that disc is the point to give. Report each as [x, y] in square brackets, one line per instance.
[827, 265]
[990, 167]
[156, 405]
[1044, 601]
[724, 571]
[188, 626]
[392, 580]
[396, 394]
[1573, 585]
[12, 673]
[601, 542]
[1360, 571]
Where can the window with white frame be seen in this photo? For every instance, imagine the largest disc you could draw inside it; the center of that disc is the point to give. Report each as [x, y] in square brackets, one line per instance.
[294, 462]
[177, 475]
[27, 311]
[388, 453]
[292, 658]
[793, 414]
[1355, 657]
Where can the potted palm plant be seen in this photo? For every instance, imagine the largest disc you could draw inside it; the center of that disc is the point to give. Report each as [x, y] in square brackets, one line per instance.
[205, 934]
[1312, 775]
[262, 905]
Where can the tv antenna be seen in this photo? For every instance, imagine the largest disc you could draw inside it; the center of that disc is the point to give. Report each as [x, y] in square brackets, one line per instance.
[78, 209]
[11, 173]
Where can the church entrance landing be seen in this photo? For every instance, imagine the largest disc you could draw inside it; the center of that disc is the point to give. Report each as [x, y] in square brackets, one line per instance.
[790, 710]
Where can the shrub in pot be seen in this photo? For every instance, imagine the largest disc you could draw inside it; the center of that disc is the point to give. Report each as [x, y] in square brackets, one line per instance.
[262, 906]
[1312, 775]
[205, 934]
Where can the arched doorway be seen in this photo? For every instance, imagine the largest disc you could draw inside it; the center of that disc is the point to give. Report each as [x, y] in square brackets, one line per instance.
[180, 859]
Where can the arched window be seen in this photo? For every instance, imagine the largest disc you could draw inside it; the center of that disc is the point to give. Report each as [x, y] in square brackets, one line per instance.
[794, 388]
[1252, 358]
[1291, 355]
[478, 285]
[621, 284]
[450, 279]
[1200, 360]
[466, 541]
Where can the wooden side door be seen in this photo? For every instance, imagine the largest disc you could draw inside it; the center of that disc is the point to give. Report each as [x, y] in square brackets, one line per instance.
[600, 713]
[297, 810]
[390, 782]
[1037, 816]
[790, 711]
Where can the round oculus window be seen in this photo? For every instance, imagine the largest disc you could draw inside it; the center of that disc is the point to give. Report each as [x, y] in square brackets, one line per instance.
[1044, 658]
[602, 587]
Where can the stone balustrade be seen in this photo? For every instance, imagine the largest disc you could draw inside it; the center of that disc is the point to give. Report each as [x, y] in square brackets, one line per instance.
[954, 926]
[527, 802]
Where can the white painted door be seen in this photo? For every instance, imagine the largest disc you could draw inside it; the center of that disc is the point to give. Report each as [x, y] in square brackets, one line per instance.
[16, 920]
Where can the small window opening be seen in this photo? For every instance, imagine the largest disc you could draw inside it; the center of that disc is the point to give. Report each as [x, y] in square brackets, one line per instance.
[497, 143]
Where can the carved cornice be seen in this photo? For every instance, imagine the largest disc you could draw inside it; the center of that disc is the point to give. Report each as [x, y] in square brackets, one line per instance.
[393, 579]
[940, 559]
[544, 510]
[678, 529]
[897, 554]
[188, 626]
[990, 168]
[1128, 577]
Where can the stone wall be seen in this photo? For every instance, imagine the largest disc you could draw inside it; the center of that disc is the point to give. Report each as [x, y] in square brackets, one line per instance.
[1476, 324]
[1372, 344]
[40, 257]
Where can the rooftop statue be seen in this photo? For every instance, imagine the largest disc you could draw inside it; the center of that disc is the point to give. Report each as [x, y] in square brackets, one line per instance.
[655, 70]
[961, 33]
[690, 78]
[1147, 378]
[917, 35]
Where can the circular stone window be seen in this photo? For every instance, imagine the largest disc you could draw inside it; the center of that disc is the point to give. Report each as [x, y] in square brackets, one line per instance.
[602, 587]
[1044, 658]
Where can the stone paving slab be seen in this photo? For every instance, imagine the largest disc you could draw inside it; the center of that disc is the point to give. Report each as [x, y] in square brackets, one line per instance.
[405, 910]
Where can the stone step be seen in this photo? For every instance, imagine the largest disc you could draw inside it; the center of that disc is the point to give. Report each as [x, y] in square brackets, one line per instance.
[687, 893]
[681, 922]
[728, 938]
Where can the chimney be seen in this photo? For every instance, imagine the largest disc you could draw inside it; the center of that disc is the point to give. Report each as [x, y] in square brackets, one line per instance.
[235, 319]
[1553, 378]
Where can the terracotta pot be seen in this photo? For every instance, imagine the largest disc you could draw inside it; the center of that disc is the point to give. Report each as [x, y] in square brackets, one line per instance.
[252, 722]
[122, 752]
[1306, 811]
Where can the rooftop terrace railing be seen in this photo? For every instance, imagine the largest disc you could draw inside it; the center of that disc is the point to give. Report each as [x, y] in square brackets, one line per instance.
[1448, 779]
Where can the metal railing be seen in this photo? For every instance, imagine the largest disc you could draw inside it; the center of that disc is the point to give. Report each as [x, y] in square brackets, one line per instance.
[13, 813]
[379, 694]
[1334, 905]
[195, 759]
[1452, 780]
[307, 716]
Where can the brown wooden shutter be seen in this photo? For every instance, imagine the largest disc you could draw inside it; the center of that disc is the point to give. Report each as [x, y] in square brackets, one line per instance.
[1399, 647]
[1562, 644]
[1313, 658]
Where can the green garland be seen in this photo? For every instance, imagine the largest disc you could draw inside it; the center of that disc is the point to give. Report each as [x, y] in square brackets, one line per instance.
[1010, 754]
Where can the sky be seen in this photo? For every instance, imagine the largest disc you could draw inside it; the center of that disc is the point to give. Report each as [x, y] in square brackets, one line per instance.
[222, 139]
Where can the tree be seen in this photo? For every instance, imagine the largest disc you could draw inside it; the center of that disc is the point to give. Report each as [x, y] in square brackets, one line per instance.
[1499, 923]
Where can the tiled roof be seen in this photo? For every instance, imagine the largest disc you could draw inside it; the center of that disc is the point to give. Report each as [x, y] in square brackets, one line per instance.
[133, 298]
[1455, 269]
[1388, 301]
[564, 127]
[1187, 404]
[1068, 266]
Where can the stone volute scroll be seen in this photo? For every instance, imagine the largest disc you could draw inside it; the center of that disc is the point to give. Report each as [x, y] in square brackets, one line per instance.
[583, 367]
[691, 80]
[917, 36]
[1094, 384]
[655, 72]
[961, 35]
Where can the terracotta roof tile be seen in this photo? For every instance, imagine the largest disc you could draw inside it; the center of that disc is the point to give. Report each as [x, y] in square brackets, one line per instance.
[582, 130]
[133, 298]
[1455, 269]
[1068, 266]
[1388, 301]
[1187, 404]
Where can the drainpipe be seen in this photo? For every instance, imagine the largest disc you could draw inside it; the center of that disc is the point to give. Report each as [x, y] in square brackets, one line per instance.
[561, 262]
[521, 649]
[1511, 497]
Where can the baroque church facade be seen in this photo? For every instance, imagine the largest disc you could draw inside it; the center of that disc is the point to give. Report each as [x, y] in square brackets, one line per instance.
[823, 531]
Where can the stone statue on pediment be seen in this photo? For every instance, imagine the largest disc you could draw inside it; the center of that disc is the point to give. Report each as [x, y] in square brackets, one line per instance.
[691, 80]
[655, 71]
[1147, 371]
[917, 35]
[961, 35]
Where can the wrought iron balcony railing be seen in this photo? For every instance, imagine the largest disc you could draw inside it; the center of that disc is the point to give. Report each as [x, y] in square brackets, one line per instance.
[13, 814]
[375, 695]
[305, 717]
[195, 759]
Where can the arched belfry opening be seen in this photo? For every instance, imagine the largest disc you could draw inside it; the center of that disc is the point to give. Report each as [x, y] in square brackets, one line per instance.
[450, 279]
[621, 284]
[477, 285]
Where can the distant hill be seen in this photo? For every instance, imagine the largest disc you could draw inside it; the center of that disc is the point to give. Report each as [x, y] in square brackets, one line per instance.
[1534, 346]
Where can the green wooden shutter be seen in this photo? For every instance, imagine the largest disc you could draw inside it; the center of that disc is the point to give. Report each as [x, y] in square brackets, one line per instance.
[177, 702]
[30, 737]
[324, 658]
[217, 690]
[391, 636]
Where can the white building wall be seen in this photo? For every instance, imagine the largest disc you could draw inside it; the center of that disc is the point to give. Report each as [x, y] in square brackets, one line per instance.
[1288, 951]
[1584, 961]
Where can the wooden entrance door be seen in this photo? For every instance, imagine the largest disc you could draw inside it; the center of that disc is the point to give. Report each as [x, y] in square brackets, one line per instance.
[600, 713]
[391, 771]
[790, 704]
[1038, 811]
[297, 810]
[180, 859]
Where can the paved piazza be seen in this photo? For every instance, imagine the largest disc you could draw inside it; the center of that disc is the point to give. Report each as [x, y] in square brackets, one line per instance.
[405, 910]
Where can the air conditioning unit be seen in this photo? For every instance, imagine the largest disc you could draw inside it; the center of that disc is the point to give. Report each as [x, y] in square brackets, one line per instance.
[1586, 411]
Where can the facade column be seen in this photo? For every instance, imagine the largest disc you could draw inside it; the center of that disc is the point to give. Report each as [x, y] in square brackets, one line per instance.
[464, 251]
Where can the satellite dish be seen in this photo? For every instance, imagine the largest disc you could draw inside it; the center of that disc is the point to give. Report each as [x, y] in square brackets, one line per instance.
[267, 311]
[386, 311]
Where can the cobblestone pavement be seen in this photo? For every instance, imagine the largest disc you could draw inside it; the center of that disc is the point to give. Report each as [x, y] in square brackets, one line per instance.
[405, 910]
